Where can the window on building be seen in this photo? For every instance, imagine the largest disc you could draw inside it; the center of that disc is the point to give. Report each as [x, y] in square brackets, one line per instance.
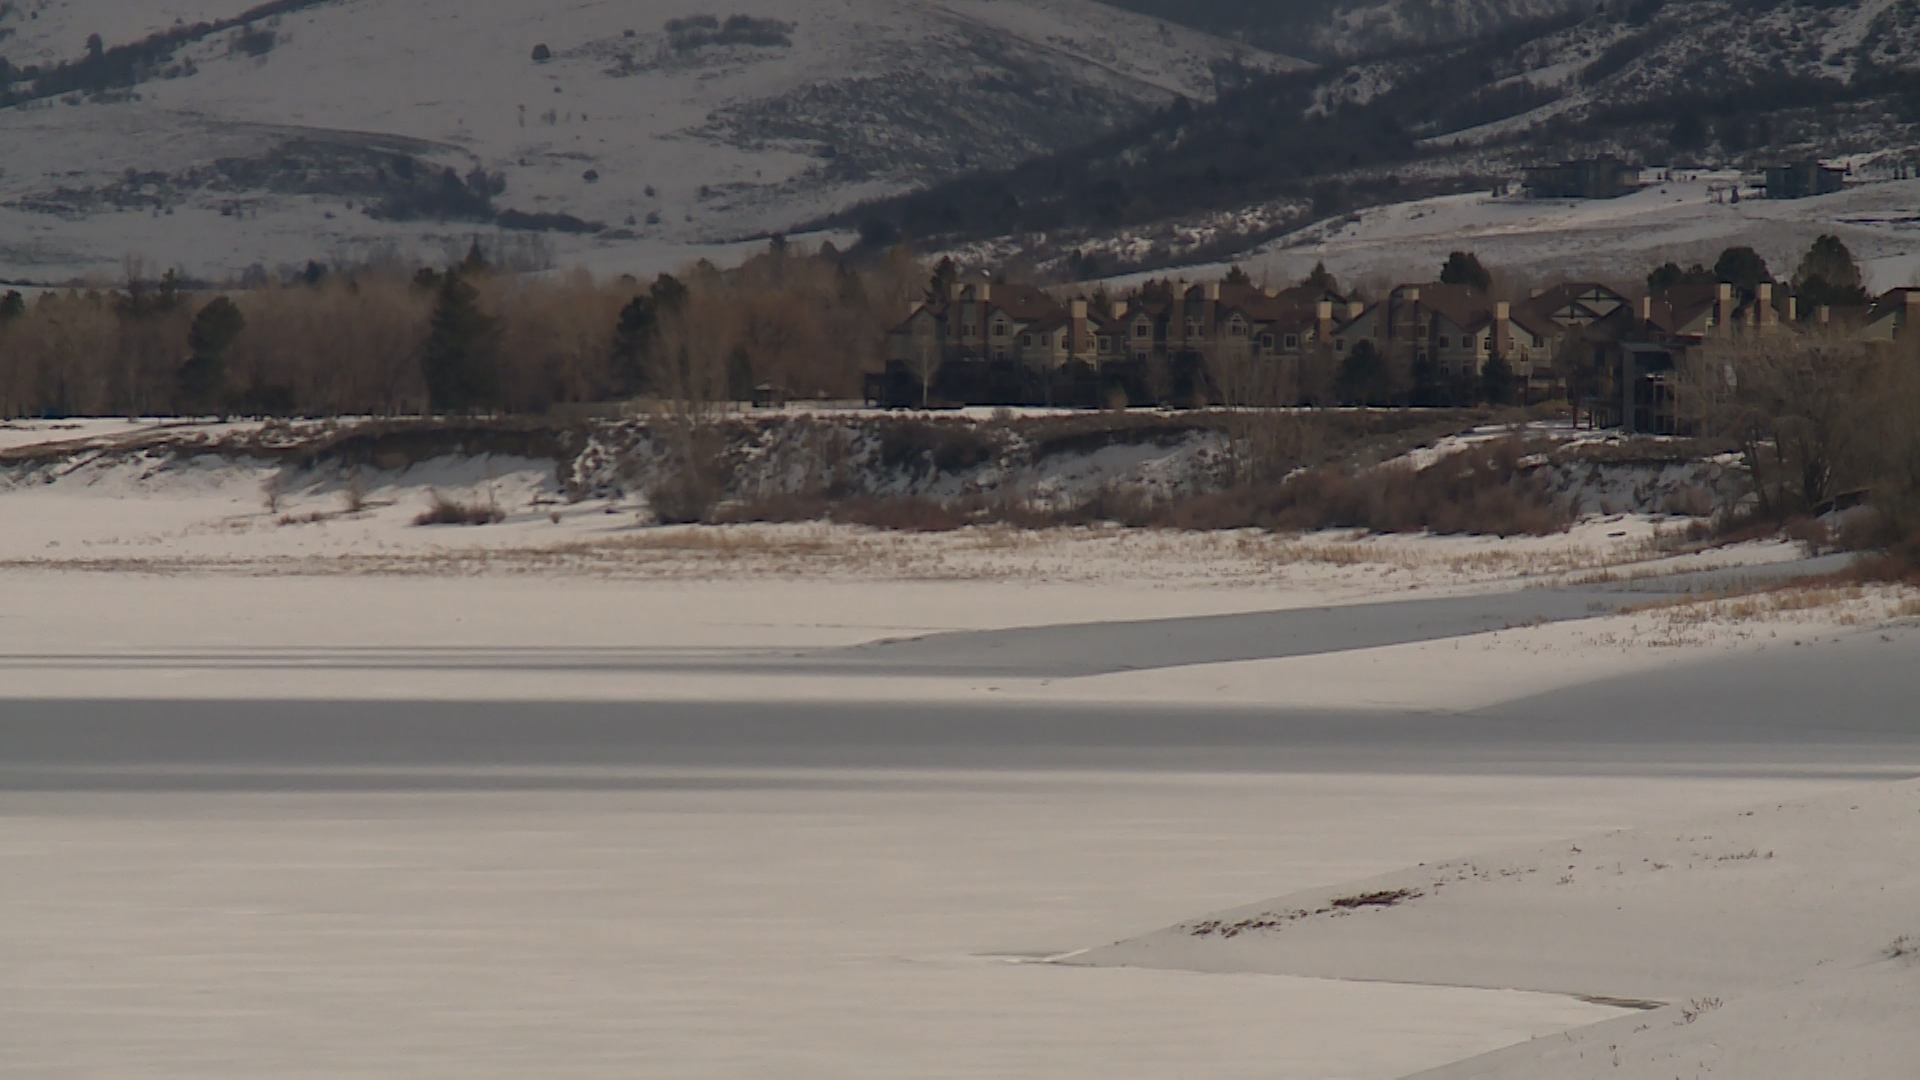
[1339, 344]
[1026, 341]
[1141, 330]
[1238, 330]
[1106, 345]
[1293, 341]
[1445, 342]
[1266, 341]
[999, 330]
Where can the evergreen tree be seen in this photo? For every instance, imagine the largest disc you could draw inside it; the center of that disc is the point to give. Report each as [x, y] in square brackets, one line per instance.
[1496, 381]
[941, 284]
[1669, 277]
[460, 361]
[1320, 278]
[1237, 276]
[1463, 268]
[633, 345]
[1741, 267]
[1426, 384]
[1828, 275]
[12, 306]
[475, 263]
[203, 378]
[740, 380]
[669, 295]
[1363, 378]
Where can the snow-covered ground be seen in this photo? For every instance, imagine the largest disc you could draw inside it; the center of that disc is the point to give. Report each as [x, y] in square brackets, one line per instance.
[1784, 931]
[1686, 220]
[242, 160]
[248, 544]
[594, 797]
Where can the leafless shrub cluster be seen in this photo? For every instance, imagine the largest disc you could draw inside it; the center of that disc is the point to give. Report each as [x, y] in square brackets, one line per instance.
[449, 511]
[1825, 425]
[1482, 490]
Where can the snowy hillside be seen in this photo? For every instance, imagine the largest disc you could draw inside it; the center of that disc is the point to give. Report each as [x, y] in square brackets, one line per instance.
[643, 131]
[1688, 219]
[1345, 29]
[1707, 85]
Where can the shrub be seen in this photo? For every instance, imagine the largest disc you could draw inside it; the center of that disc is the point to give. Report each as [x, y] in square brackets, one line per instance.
[446, 511]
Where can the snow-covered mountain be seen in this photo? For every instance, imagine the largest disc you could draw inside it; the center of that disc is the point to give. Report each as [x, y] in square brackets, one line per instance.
[629, 135]
[1689, 85]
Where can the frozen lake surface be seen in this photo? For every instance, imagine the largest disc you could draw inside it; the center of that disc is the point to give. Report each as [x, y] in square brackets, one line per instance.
[734, 890]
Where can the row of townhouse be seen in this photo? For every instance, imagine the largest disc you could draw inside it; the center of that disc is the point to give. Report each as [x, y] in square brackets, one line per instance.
[1195, 332]
[1632, 376]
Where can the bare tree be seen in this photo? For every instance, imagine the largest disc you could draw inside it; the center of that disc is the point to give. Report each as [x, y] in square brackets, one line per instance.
[1798, 405]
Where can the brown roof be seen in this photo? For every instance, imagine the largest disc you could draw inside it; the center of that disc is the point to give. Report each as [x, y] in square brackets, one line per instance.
[1681, 305]
[1023, 303]
[1463, 307]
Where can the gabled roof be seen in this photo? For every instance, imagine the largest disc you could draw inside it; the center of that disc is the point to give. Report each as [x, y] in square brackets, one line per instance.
[1892, 303]
[1465, 308]
[1682, 305]
[1573, 302]
[1022, 303]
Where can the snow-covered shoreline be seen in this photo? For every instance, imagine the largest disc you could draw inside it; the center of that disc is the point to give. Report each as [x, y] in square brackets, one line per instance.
[192, 587]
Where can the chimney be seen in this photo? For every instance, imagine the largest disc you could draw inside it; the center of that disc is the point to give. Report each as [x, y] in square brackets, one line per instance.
[1411, 294]
[985, 292]
[1502, 328]
[1723, 308]
[1823, 313]
[915, 308]
[1793, 309]
[954, 290]
[1078, 309]
[1271, 292]
[1213, 291]
[1646, 309]
[1119, 309]
[1323, 321]
[1912, 310]
[1355, 309]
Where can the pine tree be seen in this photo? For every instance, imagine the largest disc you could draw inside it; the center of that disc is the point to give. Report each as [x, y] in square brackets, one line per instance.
[1320, 278]
[461, 363]
[740, 380]
[1496, 381]
[944, 275]
[203, 378]
[1363, 378]
[1828, 276]
[1742, 267]
[633, 345]
[1463, 268]
[12, 306]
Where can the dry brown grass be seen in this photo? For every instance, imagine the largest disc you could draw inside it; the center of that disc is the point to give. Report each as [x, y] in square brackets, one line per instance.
[449, 511]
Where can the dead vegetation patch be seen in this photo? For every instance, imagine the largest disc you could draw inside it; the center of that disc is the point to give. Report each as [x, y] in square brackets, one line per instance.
[449, 511]
[1279, 920]
[1383, 898]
